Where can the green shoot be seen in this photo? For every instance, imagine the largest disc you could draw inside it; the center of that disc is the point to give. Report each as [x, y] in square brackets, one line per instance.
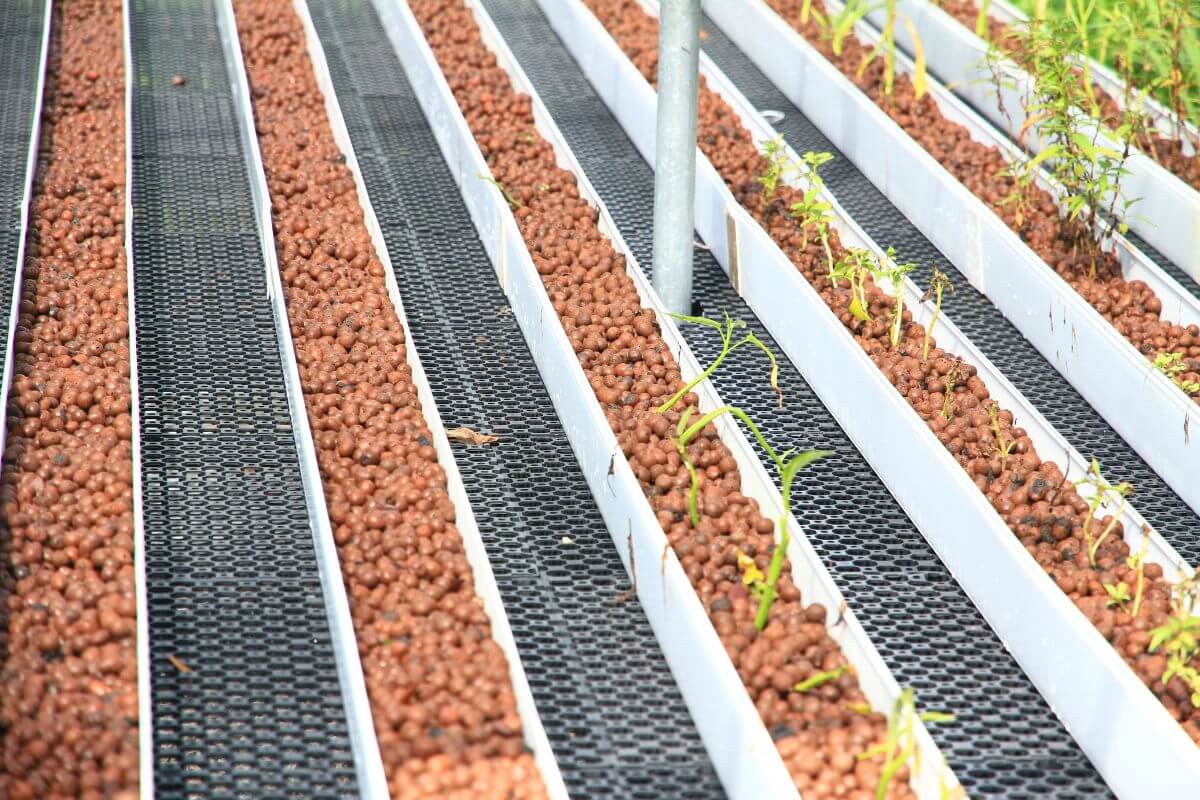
[981, 21]
[920, 70]
[1080, 13]
[1117, 595]
[727, 329]
[841, 24]
[1177, 638]
[820, 679]
[805, 10]
[887, 46]
[1137, 563]
[896, 273]
[1100, 490]
[1171, 365]
[812, 211]
[513, 203]
[900, 746]
[952, 379]
[854, 266]
[938, 285]
[1004, 445]
[775, 153]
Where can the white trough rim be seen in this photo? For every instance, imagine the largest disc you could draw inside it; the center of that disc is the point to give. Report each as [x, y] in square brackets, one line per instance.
[746, 759]
[718, 212]
[953, 48]
[368, 763]
[984, 246]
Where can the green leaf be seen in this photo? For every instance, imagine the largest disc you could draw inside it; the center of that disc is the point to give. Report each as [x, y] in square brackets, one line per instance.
[857, 310]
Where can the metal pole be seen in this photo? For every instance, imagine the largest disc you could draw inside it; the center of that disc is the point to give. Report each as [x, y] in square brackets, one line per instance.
[675, 151]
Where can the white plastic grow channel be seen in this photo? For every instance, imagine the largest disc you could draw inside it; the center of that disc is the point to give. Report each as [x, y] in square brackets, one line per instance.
[1136, 745]
[369, 767]
[742, 752]
[1168, 213]
[145, 714]
[1144, 406]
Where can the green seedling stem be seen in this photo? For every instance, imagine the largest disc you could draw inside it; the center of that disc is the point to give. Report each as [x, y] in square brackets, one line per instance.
[1137, 563]
[1004, 445]
[513, 203]
[728, 328]
[812, 211]
[981, 21]
[895, 272]
[1100, 490]
[775, 153]
[900, 746]
[938, 284]
[854, 266]
[820, 679]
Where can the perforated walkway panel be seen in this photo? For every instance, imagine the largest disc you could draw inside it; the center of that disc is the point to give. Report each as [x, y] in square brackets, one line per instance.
[234, 592]
[614, 716]
[1006, 742]
[21, 32]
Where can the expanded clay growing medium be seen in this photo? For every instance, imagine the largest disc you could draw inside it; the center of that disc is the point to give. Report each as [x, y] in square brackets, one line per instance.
[818, 733]
[1166, 150]
[1129, 306]
[1033, 496]
[444, 711]
[69, 708]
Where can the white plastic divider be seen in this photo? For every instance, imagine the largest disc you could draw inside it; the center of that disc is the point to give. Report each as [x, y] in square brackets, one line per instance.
[745, 758]
[142, 646]
[372, 782]
[372, 779]
[1141, 404]
[1168, 212]
[1128, 734]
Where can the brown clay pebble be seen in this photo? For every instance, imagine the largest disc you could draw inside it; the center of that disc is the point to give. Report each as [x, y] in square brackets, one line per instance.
[1034, 497]
[443, 706]
[631, 371]
[1166, 150]
[1129, 305]
[68, 686]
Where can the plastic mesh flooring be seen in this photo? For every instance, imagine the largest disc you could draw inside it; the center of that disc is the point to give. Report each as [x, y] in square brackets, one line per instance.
[1007, 742]
[20, 64]
[232, 575]
[614, 715]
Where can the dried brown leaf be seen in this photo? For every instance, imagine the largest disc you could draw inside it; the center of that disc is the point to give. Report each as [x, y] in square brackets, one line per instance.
[464, 434]
[179, 664]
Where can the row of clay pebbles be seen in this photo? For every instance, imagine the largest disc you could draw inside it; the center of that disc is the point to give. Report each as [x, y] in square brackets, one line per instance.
[631, 371]
[443, 706]
[1129, 305]
[1033, 496]
[1166, 150]
[68, 689]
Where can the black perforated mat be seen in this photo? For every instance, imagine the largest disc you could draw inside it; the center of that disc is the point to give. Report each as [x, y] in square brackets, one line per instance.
[21, 34]
[1006, 743]
[614, 716]
[232, 576]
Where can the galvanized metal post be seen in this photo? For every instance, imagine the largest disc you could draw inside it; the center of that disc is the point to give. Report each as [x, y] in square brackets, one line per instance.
[675, 151]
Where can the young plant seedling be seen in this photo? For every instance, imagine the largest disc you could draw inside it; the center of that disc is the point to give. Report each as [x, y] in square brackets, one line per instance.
[952, 379]
[854, 266]
[1004, 445]
[513, 203]
[1177, 638]
[813, 212]
[820, 679]
[775, 153]
[900, 746]
[1100, 490]
[895, 272]
[1117, 595]
[728, 329]
[1171, 365]
[839, 26]
[938, 285]
[1137, 563]
[981, 21]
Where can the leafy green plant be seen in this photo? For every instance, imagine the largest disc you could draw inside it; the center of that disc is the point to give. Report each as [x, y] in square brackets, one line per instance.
[728, 330]
[1171, 365]
[1004, 445]
[811, 211]
[895, 272]
[938, 284]
[854, 266]
[1100, 491]
[839, 26]
[513, 203]
[900, 746]
[1118, 595]
[820, 679]
[981, 21]
[775, 153]
[1177, 638]
[1080, 12]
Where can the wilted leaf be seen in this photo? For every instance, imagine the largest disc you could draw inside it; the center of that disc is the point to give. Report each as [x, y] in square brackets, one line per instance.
[464, 434]
[179, 664]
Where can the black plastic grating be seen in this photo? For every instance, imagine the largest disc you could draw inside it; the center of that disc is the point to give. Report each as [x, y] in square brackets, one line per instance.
[986, 327]
[1007, 742]
[232, 577]
[614, 716]
[21, 35]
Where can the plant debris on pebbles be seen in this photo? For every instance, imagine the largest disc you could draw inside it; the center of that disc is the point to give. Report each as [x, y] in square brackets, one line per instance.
[1166, 150]
[1129, 305]
[68, 708]
[443, 706]
[1034, 497]
[819, 733]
